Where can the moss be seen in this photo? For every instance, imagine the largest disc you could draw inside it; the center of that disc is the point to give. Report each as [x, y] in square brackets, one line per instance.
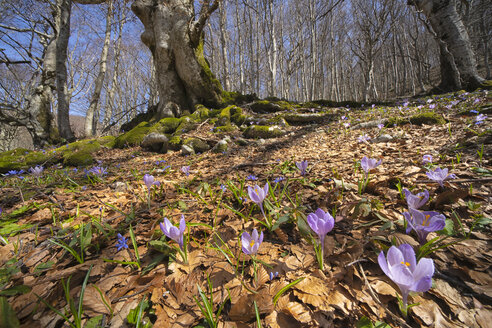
[22, 158]
[209, 79]
[225, 128]
[201, 113]
[487, 85]
[427, 118]
[215, 112]
[187, 124]
[107, 141]
[265, 106]
[198, 145]
[236, 98]
[133, 137]
[175, 142]
[80, 158]
[166, 125]
[263, 131]
[80, 153]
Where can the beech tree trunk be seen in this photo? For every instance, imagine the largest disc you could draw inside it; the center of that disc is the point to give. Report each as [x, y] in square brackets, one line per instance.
[447, 24]
[175, 38]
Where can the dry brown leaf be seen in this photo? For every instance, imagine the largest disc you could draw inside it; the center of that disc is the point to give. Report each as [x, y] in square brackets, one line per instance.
[96, 301]
[298, 311]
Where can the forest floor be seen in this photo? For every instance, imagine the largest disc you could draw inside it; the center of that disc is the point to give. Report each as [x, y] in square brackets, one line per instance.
[61, 229]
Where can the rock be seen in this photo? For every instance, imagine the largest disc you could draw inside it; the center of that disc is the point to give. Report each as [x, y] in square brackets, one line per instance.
[220, 147]
[198, 145]
[187, 150]
[261, 131]
[308, 118]
[242, 142]
[261, 141]
[155, 142]
[265, 106]
[382, 138]
[119, 186]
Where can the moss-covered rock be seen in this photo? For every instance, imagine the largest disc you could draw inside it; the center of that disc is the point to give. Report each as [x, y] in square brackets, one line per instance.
[201, 113]
[186, 125]
[166, 125]
[133, 137]
[198, 145]
[417, 119]
[262, 131]
[297, 118]
[225, 128]
[175, 142]
[80, 153]
[80, 158]
[220, 147]
[265, 106]
[107, 141]
[21, 158]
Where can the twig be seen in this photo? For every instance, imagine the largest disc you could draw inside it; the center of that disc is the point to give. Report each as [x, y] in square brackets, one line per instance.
[479, 180]
[376, 299]
[250, 164]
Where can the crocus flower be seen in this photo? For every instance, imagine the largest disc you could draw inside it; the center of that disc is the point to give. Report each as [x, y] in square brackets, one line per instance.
[251, 243]
[149, 181]
[185, 170]
[368, 164]
[98, 171]
[439, 175]
[277, 180]
[36, 171]
[273, 275]
[424, 222]
[416, 201]
[401, 266]
[302, 166]
[173, 232]
[346, 125]
[427, 159]
[121, 243]
[223, 187]
[480, 118]
[258, 195]
[380, 126]
[363, 138]
[321, 223]
[252, 177]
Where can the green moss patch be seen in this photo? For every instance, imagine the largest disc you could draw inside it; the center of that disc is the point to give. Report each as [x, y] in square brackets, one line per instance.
[21, 158]
[263, 131]
[166, 125]
[175, 142]
[428, 118]
[265, 106]
[133, 137]
[198, 145]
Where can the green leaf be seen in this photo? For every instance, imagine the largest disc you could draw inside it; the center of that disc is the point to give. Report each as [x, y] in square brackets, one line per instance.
[304, 229]
[133, 314]
[40, 268]
[283, 219]
[20, 289]
[448, 228]
[160, 246]
[94, 322]
[8, 318]
[364, 322]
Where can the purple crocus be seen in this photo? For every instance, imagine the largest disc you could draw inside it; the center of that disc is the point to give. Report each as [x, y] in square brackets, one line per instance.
[424, 222]
[401, 266]
[480, 118]
[251, 243]
[150, 181]
[258, 195]
[416, 201]
[321, 223]
[439, 175]
[98, 171]
[368, 164]
[185, 170]
[427, 159]
[380, 126]
[36, 171]
[121, 243]
[173, 232]
[363, 138]
[302, 166]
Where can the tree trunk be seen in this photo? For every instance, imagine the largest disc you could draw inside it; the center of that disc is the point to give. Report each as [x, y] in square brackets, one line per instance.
[65, 7]
[224, 46]
[90, 117]
[447, 24]
[175, 40]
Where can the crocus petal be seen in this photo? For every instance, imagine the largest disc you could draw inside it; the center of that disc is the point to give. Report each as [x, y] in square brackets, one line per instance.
[424, 268]
[394, 256]
[383, 264]
[410, 226]
[182, 225]
[422, 285]
[320, 213]
[437, 223]
[254, 235]
[260, 240]
[408, 255]
[312, 220]
[401, 275]
[265, 189]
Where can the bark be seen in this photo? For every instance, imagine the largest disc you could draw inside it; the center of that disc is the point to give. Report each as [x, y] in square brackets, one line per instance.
[65, 7]
[175, 40]
[90, 117]
[224, 45]
[449, 28]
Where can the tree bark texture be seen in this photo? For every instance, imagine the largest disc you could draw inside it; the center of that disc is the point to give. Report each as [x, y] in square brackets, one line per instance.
[175, 40]
[447, 24]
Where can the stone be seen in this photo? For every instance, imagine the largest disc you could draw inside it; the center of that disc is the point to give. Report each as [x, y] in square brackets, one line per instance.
[119, 186]
[155, 142]
[187, 150]
[220, 147]
[381, 138]
[259, 131]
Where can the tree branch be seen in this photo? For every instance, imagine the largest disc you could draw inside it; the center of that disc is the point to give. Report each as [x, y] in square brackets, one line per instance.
[205, 11]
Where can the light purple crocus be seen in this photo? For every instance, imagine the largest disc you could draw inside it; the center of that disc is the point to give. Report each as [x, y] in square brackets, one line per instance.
[401, 266]
[480, 118]
[427, 159]
[424, 222]
[258, 195]
[98, 171]
[380, 126]
[173, 232]
[363, 138]
[368, 164]
[150, 181]
[416, 201]
[36, 171]
[251, 243]
[302, 166]
[321, 223]
[185, 170]
[439, 175]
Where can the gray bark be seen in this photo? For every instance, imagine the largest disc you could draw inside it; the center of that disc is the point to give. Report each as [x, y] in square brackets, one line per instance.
[175, 40]
[90, 117]
[447, 24]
